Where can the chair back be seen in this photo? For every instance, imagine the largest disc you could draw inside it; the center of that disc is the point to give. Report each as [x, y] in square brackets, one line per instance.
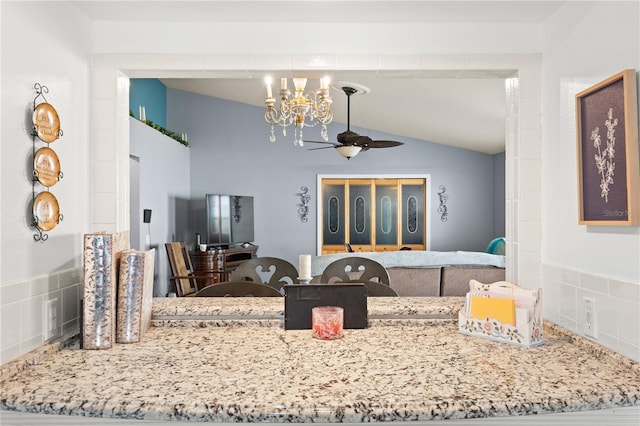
[376, 289]
[181, 269]
[355, 269]
[272, 271]
[360, 270]
[238, 289]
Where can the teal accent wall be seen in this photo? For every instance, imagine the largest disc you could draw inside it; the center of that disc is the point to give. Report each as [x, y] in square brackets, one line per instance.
[152, 94]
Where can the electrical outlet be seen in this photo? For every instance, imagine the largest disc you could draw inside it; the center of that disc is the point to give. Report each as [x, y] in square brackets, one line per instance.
[590, 317]
[50, 319]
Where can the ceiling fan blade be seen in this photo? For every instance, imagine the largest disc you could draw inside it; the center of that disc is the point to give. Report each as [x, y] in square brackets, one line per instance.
[327, 143]
[359, 140]
[322, 147]
[384, 144]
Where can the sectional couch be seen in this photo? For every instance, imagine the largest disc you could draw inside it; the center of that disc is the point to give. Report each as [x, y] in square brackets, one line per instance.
[427, 273]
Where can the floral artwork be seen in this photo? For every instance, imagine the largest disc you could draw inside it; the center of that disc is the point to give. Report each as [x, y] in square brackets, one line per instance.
[604, 157]
[607, 152]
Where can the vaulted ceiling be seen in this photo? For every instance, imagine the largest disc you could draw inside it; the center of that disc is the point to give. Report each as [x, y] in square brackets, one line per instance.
[462, 109]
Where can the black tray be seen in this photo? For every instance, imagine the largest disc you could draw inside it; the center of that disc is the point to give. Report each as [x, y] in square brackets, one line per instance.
[301, 298]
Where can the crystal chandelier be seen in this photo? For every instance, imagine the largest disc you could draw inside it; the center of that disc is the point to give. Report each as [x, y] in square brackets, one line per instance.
[305, 109]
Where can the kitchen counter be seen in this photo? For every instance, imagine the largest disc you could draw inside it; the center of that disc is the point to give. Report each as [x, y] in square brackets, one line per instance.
[412, 365]
[269, 311]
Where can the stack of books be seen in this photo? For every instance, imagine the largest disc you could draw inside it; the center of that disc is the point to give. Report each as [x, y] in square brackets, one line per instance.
[502, 312]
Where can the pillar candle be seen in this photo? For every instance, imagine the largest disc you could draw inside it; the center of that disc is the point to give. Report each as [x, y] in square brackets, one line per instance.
[304, 266]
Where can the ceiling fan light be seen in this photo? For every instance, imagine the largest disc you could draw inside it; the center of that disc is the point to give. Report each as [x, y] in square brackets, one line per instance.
[348, 151]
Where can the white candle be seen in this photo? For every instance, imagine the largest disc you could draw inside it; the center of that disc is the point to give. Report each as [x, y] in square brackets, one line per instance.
[304, 266]
[269, 94]
[144, 114]
[283, 83]
[140, 112]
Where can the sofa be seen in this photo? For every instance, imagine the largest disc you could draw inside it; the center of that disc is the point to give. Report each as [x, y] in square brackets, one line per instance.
[417, 273]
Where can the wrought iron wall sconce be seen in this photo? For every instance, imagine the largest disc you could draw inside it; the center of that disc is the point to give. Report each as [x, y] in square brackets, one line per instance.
[442, 208]
[236, 209]
[303, 211]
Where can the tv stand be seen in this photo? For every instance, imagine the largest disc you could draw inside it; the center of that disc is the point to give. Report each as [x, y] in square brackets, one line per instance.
[220, 262]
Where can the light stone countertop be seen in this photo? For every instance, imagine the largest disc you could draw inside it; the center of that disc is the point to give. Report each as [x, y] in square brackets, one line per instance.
[392, 372]
[269, 311]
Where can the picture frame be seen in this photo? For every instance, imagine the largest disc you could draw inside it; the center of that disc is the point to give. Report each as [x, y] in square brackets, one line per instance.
[607, 152]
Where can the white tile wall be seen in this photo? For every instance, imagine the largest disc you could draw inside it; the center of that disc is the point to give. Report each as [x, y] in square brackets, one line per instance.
[617, 307]
[22, 307]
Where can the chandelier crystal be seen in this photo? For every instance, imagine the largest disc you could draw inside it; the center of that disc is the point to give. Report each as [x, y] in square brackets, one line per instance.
[304, 109]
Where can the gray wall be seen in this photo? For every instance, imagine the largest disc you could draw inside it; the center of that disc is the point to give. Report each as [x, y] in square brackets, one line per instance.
[498, 195]
[231, 154]
[164, 188]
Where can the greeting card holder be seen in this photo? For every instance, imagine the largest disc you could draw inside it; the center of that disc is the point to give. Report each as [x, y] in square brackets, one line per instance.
[527, 330]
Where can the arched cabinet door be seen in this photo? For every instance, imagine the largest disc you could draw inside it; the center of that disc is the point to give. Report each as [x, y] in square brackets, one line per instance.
[386, 214]
[413, 216]
[359, 217]
[333, 215]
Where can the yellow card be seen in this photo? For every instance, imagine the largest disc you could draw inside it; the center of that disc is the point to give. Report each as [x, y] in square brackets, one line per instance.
[504, 310]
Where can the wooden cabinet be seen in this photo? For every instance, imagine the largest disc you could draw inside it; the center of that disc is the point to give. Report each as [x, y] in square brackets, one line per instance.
[218, 264]
[372, 214]
[205, 264]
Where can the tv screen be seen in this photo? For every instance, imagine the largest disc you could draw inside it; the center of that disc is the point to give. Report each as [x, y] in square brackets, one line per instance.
[229, 219]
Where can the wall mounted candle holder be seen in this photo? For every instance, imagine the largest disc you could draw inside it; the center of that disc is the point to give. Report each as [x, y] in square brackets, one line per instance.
[303, 211]
[442, 208]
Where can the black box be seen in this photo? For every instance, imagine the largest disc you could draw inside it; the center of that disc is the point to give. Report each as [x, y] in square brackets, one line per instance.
[299, 299]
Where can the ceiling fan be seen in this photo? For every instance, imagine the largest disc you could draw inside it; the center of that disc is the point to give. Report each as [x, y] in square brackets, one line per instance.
[351, 143]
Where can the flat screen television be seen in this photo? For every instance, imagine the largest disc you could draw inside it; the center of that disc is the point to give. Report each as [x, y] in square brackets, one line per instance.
[229, 219]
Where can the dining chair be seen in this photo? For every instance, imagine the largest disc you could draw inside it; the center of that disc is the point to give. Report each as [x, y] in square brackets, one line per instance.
[377, 289]
[271, 271]
[184, 280]
[238, 289]
[359, 270]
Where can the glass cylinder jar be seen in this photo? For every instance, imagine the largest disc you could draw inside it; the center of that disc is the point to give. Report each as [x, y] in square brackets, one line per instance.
[327, 322]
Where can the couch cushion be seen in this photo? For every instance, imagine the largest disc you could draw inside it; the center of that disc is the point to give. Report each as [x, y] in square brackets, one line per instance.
[455, 279]
[423, 282]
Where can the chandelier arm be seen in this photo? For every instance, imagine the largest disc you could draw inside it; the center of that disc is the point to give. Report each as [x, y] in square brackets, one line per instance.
[271, 116]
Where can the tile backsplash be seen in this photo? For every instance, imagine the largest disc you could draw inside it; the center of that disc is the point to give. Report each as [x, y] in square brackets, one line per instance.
[617, 306]
[22, 309]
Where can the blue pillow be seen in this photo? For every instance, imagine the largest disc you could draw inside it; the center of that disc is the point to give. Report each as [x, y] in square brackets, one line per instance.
[496, 246]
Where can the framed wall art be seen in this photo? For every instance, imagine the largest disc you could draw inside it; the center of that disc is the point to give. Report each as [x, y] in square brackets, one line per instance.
[607, 152]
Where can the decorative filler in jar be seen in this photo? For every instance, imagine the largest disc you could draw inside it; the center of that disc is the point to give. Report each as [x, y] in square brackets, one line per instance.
[327, 322]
